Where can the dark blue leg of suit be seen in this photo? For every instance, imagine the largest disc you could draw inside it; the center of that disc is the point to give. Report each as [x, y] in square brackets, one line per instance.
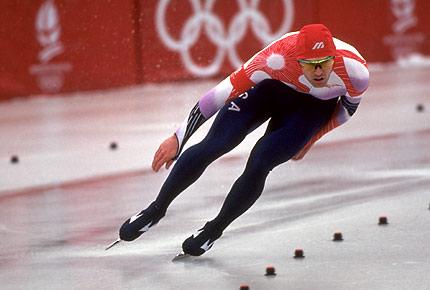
[294, 118]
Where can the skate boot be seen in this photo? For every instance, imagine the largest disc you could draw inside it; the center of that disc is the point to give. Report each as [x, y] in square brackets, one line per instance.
[202, 241]
[140, 223]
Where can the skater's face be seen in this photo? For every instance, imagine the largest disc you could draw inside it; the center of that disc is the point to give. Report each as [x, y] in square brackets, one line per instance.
[317, 71]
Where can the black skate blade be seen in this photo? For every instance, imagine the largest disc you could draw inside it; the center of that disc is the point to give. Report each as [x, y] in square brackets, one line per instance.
[113, 244]
[180, 256]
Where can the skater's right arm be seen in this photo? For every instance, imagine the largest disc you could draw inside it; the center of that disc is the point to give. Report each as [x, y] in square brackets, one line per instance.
[205, 108]
[209, 104]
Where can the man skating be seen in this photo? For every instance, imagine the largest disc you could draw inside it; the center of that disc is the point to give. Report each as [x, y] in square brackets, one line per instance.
[306, 83]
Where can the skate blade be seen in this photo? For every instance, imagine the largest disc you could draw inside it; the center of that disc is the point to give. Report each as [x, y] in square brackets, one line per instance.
[180, 256]
[113, 244]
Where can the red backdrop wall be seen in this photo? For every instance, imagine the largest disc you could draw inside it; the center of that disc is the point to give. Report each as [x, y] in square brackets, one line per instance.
[61, 46]
[54, 46]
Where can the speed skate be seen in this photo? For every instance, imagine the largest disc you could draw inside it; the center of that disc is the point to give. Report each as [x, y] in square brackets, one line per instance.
[181, 256]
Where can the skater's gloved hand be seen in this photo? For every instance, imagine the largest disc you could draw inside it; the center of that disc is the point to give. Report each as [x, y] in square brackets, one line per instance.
[165, 153]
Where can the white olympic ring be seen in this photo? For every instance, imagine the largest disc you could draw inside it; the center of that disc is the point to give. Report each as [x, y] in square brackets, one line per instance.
[225, 41]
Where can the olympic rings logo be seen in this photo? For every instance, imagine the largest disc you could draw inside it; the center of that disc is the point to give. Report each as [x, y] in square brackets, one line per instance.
[225, 40]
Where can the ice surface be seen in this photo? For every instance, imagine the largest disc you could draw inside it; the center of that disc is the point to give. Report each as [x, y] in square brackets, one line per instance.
[63, 203]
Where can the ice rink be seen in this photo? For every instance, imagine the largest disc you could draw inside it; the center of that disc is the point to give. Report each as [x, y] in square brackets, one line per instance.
[64, 199]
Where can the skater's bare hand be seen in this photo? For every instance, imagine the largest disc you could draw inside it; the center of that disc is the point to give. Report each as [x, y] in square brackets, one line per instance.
[165, 153]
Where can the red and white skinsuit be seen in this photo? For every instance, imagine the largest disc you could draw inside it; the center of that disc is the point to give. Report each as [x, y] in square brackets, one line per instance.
[349, 78]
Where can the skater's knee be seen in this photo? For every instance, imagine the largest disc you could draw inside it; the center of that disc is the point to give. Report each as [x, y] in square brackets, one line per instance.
[208, 152]
[261, 164]
[257, 170]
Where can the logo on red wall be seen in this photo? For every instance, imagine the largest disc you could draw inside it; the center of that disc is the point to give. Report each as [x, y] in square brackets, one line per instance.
[404, 41]
[225, 37]
[50, 74]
